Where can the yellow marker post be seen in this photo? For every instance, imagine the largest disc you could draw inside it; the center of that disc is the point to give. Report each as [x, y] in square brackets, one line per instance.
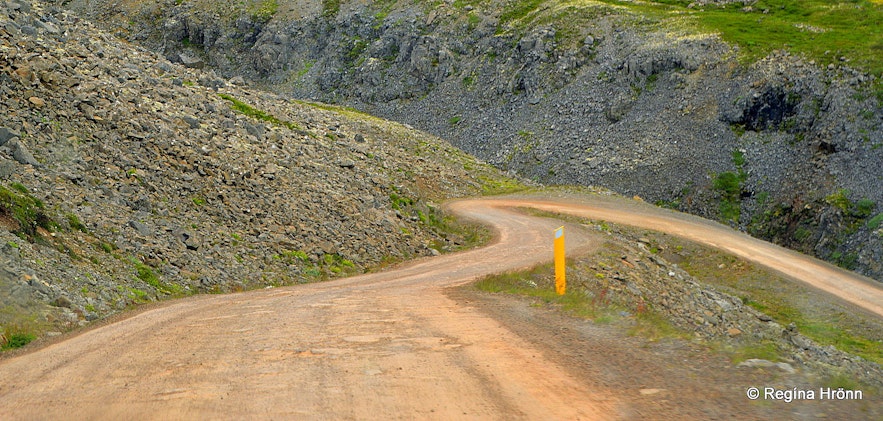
[560, 278]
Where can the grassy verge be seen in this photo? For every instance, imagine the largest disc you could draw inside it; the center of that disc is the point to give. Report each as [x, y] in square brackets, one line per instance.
[817, 316]
[20, 327]
[584, 298]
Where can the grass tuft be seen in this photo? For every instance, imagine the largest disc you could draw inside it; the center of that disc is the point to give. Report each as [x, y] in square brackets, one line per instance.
[250, 111]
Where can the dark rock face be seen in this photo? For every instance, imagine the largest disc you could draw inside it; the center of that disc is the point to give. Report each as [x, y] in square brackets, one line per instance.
[768, 111]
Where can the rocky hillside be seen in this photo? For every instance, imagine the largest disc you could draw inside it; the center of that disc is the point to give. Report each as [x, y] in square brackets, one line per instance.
[640, 98]
[126, 178]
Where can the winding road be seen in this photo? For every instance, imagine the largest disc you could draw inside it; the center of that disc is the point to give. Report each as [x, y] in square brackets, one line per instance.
[387, 345]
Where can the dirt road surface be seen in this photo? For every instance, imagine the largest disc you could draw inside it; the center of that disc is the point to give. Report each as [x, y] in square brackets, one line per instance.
[388, 345]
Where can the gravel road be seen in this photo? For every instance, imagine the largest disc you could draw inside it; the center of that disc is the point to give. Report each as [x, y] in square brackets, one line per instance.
[389, 345]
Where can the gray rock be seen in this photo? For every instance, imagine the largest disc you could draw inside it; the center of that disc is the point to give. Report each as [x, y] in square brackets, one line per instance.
[62, 301]
[190, 239]
[759, 363]
[142, 228]
[7, 134]
[190, 60]
[256, 130]
[47, 27]
[191, 121]
[21, 5]
[21, 153]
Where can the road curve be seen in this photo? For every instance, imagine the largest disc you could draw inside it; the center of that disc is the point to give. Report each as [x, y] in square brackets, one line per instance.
[386, 345]
[855, 289]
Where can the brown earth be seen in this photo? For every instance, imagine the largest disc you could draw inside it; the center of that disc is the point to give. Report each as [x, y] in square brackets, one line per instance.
[400, 345]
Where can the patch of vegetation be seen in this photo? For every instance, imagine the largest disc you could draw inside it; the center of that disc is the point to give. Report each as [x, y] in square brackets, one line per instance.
[137, 295]
[822, 30]
[588, 300]
[18, 340]
[337, 264]
[19, 327]
[74, 222]
[765, 350]
[492, 186]
[399, 202]
[292, 257]
[822, 320]
[336, 109]
[864, 208]
[264, 11]
[146, 274]
[250, 111]
[876, 221]
[839, 199]
[843, 381]
[355, 52]
[385, 7]
[107, 247]
[847, 261]
[729, 186]
[517, 10]
[330, 8]
[27, 211]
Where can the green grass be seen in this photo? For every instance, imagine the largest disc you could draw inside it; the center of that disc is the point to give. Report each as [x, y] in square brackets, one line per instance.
[729, 185]
[19, 326]
[782, 300]
[492, 186]
[265, 10]
[18, 340]
[250, 111]
[822, 30]
[876, 221]
[823, 320]
[518, 10]
[28, 211]
[146, 274]
[74, 222]
[764, 350]
[580, 301]
[330, 8]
